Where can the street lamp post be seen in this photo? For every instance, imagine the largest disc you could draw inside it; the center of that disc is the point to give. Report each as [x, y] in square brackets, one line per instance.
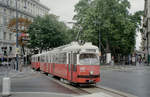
[99, 45]
[17, 67]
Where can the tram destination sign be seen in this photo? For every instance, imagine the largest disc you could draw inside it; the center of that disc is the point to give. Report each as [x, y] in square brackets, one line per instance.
[91, 50]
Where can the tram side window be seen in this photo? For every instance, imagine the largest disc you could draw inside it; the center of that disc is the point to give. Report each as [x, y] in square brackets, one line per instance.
[62, 58]
[55, 58]
[47, 58]
[74, 58]
[51, 58]
[65, 58]
[35, 59]
[38, 59]
[32, 59]
[59, 61]
[69, 58]
[42, 58]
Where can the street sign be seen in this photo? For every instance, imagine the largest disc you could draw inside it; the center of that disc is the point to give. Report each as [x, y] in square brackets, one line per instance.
[100, 54]
[17, 50]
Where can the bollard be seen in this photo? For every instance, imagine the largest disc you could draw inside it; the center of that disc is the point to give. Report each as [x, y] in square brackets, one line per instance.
[6, 87]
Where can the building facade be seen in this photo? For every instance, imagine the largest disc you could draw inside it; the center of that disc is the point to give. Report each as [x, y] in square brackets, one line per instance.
[28, 9]
[146, 31]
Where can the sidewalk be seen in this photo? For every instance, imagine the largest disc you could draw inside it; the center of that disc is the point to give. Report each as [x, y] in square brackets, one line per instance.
[9, 72]
[123, 67]
[46, 94]
[37, 94]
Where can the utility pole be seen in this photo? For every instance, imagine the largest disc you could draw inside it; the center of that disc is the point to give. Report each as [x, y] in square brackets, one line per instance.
[99, 45]
[98, 24]
[17, 67]
[148, 53]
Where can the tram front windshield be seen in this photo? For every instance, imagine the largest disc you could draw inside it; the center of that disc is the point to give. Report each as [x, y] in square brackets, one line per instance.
[88, 59]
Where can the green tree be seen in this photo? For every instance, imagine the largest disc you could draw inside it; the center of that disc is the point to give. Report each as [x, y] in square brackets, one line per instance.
[47, 32]
[112, 19]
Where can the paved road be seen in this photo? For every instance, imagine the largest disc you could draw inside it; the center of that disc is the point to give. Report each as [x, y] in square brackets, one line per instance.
[35, 82]
[133, 81]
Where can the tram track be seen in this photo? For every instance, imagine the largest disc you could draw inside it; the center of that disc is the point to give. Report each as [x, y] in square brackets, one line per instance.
[78, 91]
[87, 90]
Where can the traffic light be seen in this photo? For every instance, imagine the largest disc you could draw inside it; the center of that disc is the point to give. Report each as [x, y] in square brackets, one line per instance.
[5, 53]
[10, 49]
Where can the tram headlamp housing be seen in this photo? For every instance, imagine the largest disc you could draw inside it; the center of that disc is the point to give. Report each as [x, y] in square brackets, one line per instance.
[91, 72]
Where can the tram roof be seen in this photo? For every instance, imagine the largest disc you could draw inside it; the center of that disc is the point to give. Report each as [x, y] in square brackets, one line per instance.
[73, 46]
[76, 46]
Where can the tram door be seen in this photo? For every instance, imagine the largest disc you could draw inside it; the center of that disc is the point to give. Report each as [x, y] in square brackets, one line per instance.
[70, 65]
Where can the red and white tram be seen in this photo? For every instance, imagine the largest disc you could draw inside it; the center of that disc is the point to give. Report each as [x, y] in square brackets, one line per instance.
[73, 62]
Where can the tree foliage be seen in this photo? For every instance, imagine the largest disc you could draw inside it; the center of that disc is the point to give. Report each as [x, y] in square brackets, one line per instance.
[23, 25]
[114, 22]
[47, 32]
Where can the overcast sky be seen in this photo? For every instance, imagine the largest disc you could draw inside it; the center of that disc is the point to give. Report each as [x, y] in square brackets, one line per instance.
[65, 9]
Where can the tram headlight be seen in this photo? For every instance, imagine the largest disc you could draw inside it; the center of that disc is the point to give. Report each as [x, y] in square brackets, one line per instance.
[91, 72]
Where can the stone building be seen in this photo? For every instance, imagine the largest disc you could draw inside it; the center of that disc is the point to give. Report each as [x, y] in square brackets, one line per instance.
[146, 30]
[26, 9]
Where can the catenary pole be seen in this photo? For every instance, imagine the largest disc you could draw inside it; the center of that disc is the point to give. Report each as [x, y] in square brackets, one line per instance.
[17, 67]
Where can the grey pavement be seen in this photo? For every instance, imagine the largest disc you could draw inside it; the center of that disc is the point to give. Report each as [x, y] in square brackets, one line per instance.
[38, 94]
[134, 79]
[29, 82]
[44, 94]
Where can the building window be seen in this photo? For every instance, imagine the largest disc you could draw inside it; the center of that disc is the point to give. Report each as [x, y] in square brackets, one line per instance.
[4, 35]
[10, 36]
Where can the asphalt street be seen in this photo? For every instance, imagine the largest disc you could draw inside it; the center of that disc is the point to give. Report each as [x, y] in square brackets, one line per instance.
[133, 81]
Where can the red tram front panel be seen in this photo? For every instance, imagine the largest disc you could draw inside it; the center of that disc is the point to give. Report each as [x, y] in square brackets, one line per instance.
[85, 74]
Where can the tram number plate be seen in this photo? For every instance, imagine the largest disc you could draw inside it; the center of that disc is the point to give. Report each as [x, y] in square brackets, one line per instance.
[90, 81]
